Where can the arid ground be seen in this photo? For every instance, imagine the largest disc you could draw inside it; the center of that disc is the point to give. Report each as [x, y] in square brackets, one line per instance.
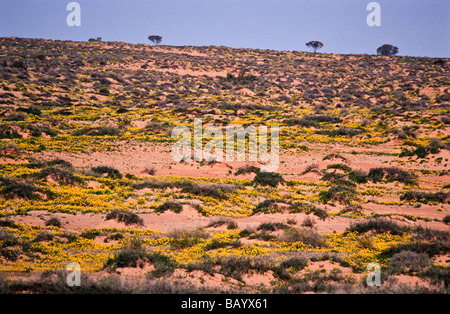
[87, 175]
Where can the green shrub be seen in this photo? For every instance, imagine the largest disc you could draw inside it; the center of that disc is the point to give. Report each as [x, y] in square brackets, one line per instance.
[183, 238]
[17, 188]
[110, 172]
[90, 234]
[338, 193]
[391, 174]
[174, 206]
[60, 174]
[358, 176]
[378, 225]
[268, 179]
[446, 219]
[307, 236]
[247, 169]
[53, 222]
[342, 167]
[271, 226]
[265, 206]
[425, 197]
[409, 261]
[98, 131]
[127, 217]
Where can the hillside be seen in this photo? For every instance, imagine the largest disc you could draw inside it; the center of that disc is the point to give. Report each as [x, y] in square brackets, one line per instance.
[87, 175]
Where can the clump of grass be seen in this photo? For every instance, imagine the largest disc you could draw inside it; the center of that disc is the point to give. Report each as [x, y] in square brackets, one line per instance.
[127, 217]
[174, 206]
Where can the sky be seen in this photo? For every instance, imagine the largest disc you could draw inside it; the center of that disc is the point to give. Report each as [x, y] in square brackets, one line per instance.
[416, 27]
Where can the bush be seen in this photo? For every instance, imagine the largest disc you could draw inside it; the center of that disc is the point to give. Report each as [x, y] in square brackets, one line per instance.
[308, 222]
[7, 131]
[338, 193]
[110, 172]
[300, 207]
[53, 222]
[271, 226]
[334, 156]
[202, 189]
[232, 225]
[247, 169]
[127, 217]
[98, 131]
[60, 174]
[391, 174]
[378, 226]
[342, 167]
[268, 179]
[376, 174]
[409, 261]
[358, 176]
[16, 188]
[265, 206]
[438, 275]
[307, 236]
[170, 205]
[424, 197]
[183, 238]
[446, 219]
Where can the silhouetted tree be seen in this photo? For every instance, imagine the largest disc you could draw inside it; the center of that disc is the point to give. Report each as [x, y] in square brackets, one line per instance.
[315, 45]
[387, 50]
[155, 39]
